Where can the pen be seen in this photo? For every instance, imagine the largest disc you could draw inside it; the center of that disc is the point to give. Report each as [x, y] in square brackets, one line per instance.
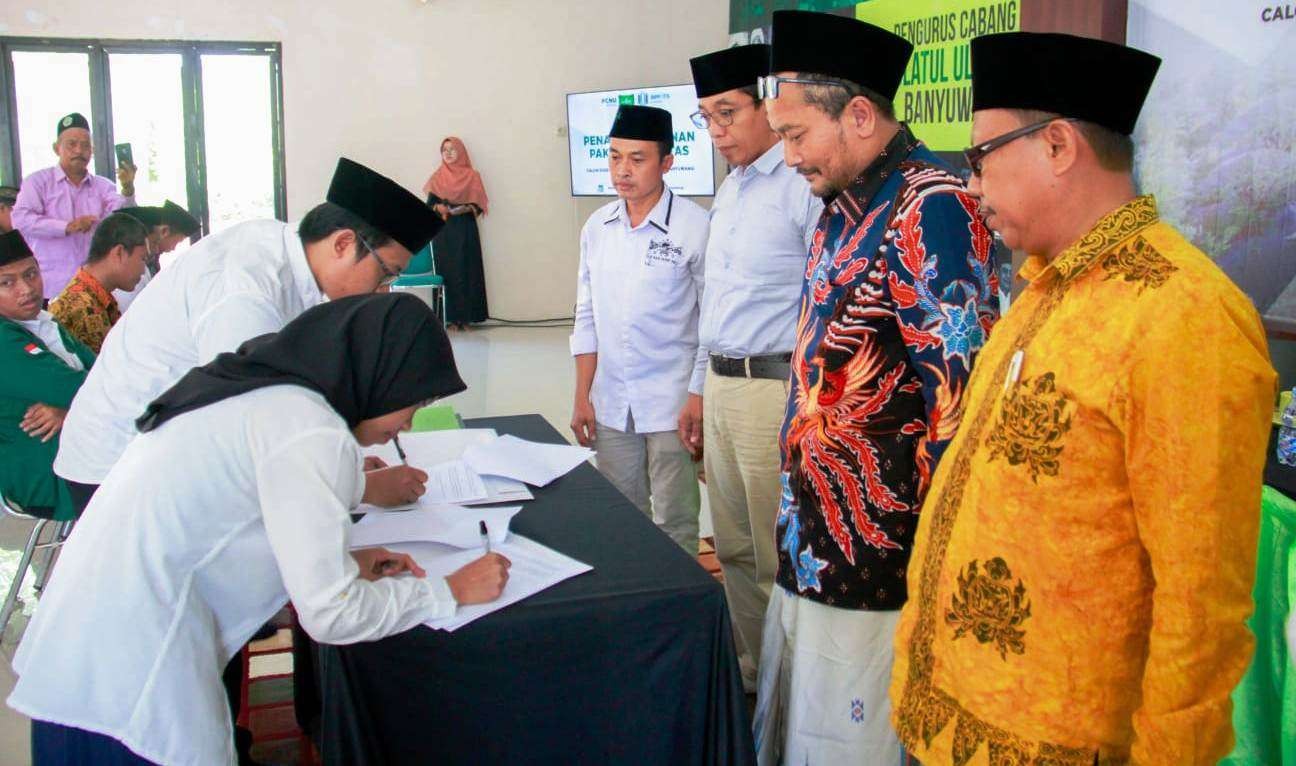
[399, 451]
[485, 535]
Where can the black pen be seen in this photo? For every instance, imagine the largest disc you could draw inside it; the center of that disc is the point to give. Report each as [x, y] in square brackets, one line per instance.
[399, 451]
[485, 535]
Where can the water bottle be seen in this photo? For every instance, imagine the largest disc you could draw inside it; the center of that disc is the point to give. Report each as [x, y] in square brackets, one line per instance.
[1287, 433]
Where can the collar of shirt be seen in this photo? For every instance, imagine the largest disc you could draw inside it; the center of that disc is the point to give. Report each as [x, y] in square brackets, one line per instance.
[94, 287]
[61, 175]
[307, 287]
[46, 329]
[659, 217]
[767, 163]
[1110, 230]
[854, 201]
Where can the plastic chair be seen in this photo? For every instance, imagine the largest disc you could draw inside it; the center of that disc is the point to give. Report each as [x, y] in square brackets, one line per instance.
[29, 551]
[421, 279]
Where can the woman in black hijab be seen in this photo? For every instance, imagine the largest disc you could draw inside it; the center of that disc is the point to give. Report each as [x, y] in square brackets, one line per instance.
[234, 499]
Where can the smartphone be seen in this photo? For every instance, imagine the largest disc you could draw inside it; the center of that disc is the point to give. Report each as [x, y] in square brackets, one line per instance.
[124, 155]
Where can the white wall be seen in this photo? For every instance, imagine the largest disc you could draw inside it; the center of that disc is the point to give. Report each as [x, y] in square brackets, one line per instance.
[382, 81]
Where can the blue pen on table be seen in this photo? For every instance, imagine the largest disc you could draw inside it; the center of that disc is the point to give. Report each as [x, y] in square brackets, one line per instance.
[399, 451]
[485, 535]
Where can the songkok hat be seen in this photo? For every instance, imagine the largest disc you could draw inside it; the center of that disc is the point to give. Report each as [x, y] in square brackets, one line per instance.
[729, 69]
[383, 204]
[841, 47]
[642, 123]
[13, 248]
[1091, 80]
[74, 120]
[148, 215]
[179, 219]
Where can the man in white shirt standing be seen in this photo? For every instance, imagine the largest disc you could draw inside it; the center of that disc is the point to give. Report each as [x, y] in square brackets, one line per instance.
[762, 221]
[639, 371]
[248, 280]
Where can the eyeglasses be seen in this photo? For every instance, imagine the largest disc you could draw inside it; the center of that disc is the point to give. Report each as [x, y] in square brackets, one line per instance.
[391, 275]
[722, 117]
[975, 155]
[768, 86]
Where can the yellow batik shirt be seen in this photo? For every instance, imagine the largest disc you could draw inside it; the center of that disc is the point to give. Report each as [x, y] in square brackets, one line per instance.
[1084, 559]
[86, 309]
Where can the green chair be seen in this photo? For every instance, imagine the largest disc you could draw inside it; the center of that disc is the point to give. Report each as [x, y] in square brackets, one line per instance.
[421, 279]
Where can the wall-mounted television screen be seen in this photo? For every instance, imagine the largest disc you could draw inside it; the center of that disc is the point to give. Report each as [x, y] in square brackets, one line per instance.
[589, 118]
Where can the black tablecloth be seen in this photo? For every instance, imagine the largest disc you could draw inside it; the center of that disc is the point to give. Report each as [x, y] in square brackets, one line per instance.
[632, 663]
[1280, 477]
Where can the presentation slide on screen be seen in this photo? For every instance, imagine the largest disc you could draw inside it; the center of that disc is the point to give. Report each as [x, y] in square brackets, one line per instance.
[589, 118]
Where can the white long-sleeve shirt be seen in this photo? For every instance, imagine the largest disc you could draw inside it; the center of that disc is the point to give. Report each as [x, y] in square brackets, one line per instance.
[638, 296]
[204, 529]
[762, 221]
[243, 282]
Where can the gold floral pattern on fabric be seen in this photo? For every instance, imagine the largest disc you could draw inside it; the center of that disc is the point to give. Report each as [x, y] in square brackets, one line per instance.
[1034, 418]
[990, 607]
[925, 710]
[1114, 228]
[936, 709]
[1137, 261]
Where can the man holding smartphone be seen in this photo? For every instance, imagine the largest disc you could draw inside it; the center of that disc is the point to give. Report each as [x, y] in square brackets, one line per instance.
[58, 208]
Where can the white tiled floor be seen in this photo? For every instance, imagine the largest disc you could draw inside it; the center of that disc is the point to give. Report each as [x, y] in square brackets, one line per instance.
[509, 371]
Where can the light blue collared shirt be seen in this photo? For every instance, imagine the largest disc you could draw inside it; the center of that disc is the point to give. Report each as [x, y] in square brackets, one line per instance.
[762, 221]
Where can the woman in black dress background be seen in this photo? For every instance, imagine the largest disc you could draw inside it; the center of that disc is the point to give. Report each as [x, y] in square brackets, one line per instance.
[456, 192]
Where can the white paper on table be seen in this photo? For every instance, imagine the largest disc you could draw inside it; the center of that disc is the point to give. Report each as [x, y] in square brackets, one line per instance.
[451, 525]
[452, 482]
[500, 489]
[532, 462]
[429, 448]
[535, 568]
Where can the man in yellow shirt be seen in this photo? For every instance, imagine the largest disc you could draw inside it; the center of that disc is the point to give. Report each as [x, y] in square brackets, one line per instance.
[1083, 563]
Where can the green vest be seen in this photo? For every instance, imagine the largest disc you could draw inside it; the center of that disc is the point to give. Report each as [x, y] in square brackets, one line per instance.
[31, 373]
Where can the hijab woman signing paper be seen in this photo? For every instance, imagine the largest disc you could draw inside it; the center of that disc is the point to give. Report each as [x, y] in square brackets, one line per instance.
[169, 574]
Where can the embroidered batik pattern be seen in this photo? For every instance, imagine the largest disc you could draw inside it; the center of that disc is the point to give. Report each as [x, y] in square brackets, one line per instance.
[1034, 419]
[990, 606]
[898, 299]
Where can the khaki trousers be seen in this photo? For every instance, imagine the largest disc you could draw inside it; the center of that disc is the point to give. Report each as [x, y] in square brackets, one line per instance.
[741, 422]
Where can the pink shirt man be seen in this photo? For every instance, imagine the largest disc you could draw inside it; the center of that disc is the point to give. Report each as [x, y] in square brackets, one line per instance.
[47, 202]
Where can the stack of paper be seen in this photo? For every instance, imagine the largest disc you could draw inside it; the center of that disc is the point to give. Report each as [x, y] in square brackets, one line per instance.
[531, 462]
[534, 568]
[450, 480]
[450, 525]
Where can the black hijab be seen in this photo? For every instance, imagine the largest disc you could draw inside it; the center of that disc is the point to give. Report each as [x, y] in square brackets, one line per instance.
[369, 355]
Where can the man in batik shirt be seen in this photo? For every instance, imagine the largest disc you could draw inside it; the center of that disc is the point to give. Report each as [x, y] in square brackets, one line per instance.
[1082, 571]
[897, 300]
[86, 307]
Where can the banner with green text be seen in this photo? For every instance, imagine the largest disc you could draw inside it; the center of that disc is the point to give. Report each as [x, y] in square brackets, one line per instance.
[935, 97]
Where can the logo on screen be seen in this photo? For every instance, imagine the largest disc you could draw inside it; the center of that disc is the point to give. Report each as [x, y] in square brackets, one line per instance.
[626, 98]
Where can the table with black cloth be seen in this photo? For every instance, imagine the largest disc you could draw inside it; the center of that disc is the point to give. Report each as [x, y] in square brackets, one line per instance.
[632, 663]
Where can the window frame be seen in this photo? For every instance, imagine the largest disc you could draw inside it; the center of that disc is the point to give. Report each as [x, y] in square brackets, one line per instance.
[99, 77]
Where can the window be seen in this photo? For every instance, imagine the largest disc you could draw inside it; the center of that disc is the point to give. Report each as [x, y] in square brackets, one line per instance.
[203, 119]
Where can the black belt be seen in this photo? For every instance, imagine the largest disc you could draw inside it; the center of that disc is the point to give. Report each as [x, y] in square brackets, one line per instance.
[771, 366]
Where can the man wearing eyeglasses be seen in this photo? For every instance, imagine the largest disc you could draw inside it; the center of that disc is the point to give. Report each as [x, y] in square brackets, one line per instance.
[762, 220]
[898, 299]
[246, 281]
[1083, 566]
